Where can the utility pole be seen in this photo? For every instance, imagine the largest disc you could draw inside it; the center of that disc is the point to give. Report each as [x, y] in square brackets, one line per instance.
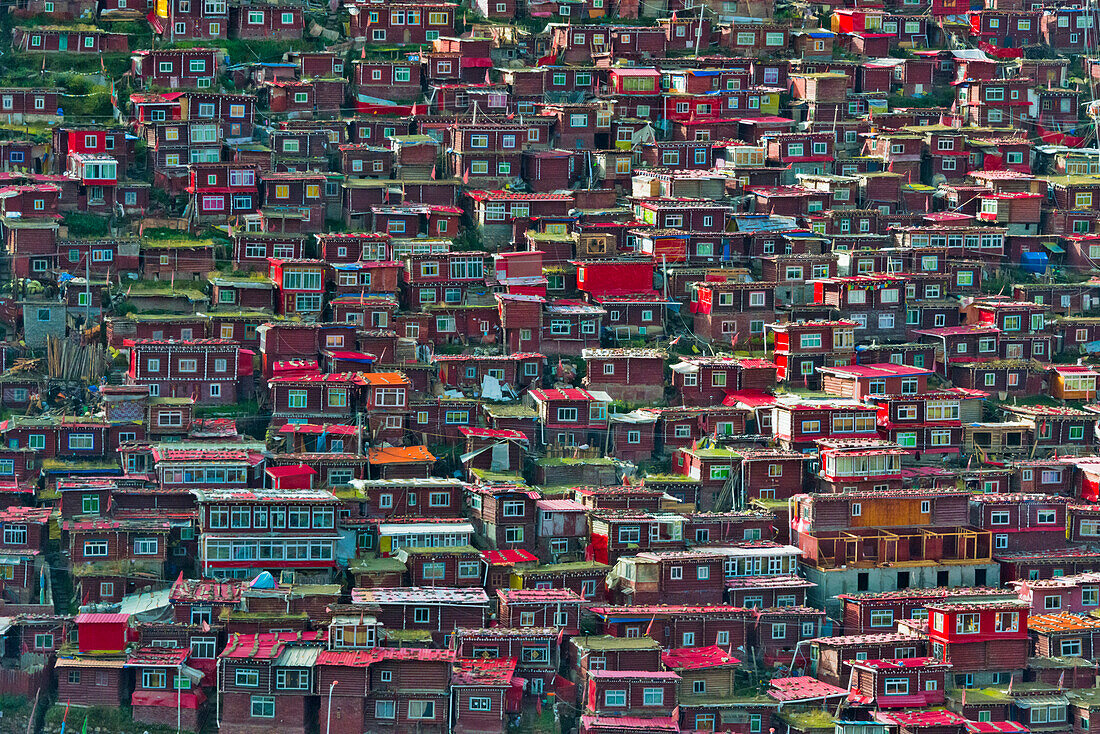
[699, 28]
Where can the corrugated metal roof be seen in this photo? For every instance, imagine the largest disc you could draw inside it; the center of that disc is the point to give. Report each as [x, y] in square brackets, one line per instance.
[101, 618]
[298, 657]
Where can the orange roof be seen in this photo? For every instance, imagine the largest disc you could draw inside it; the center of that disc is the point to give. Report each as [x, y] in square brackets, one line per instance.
[385, 378]
[399, 455]
[1062, 622]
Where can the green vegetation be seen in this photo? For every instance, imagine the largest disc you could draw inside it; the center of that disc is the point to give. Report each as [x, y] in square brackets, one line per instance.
[598, 461]
[13, 705]
[808, 720]
[242, 51]
[107, 719]
[84, 225]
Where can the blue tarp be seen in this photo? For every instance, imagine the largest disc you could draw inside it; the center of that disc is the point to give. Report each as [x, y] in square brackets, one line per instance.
[1034, 262]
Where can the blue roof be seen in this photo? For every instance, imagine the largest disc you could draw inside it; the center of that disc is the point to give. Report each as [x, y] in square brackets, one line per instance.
[763, 223]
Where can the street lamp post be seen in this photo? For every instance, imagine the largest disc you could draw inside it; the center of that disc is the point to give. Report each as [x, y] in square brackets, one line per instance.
[328, 717]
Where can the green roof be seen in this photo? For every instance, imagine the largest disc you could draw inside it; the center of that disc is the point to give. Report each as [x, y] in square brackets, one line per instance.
[120, 567]
[498, 477]
[604, 461]
[981, 696]
[718, 453]
[176, 242]
[671, 478]
[511, 410]
[606, 642]
[233, 615]
[408, 635]
[79, 464]
[377, 565]
[451, 550]
[315, 589]
[548, 237]
[769, 503]
[812, 719]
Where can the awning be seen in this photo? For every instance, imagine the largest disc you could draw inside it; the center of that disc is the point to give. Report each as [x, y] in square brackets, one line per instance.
[386, 529]
[685, 367]
[1054, 248]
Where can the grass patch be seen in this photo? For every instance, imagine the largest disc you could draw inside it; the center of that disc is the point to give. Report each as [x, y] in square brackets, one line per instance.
[247, 51]
[244, 407]
[109, 719]
[84, 225]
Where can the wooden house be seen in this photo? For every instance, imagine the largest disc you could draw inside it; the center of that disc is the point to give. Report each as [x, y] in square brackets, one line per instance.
[798, 424]
[585, 578]
[901, 682]
[395, 462]
[831, 656]
[615, 533]
[1064, 634]
[677, 624]
[24, 541]
[670, 576]
[558, 608]
[979, 636]
[562, 529]
[863, 381]
[778, 633]
[456, 566]
[707, 380]
[1065, 428]
[268, 676]
[442, 609]
[800, 348]
[1021, 521]
[471, 680]
[631, 692]
[371, 689]
[505, 515]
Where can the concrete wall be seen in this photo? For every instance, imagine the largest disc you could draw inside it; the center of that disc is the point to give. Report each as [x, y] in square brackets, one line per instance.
[846, 581]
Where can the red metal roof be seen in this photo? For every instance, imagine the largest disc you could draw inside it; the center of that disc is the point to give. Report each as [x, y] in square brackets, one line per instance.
[492, 433]
[884, 369]
[992, 727]
[158, 656]
[266, 646]
[912, 719]
[509, 557]
[314, 428]
[205, 590]
[570, 393]
[898, 663]
[100, 618]
[695, 658]
[290, 470]
[483, 671]
[520, 596]
[750, 398]
[363, 658]
[802, 686]
[626, 724]
[627, 674]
